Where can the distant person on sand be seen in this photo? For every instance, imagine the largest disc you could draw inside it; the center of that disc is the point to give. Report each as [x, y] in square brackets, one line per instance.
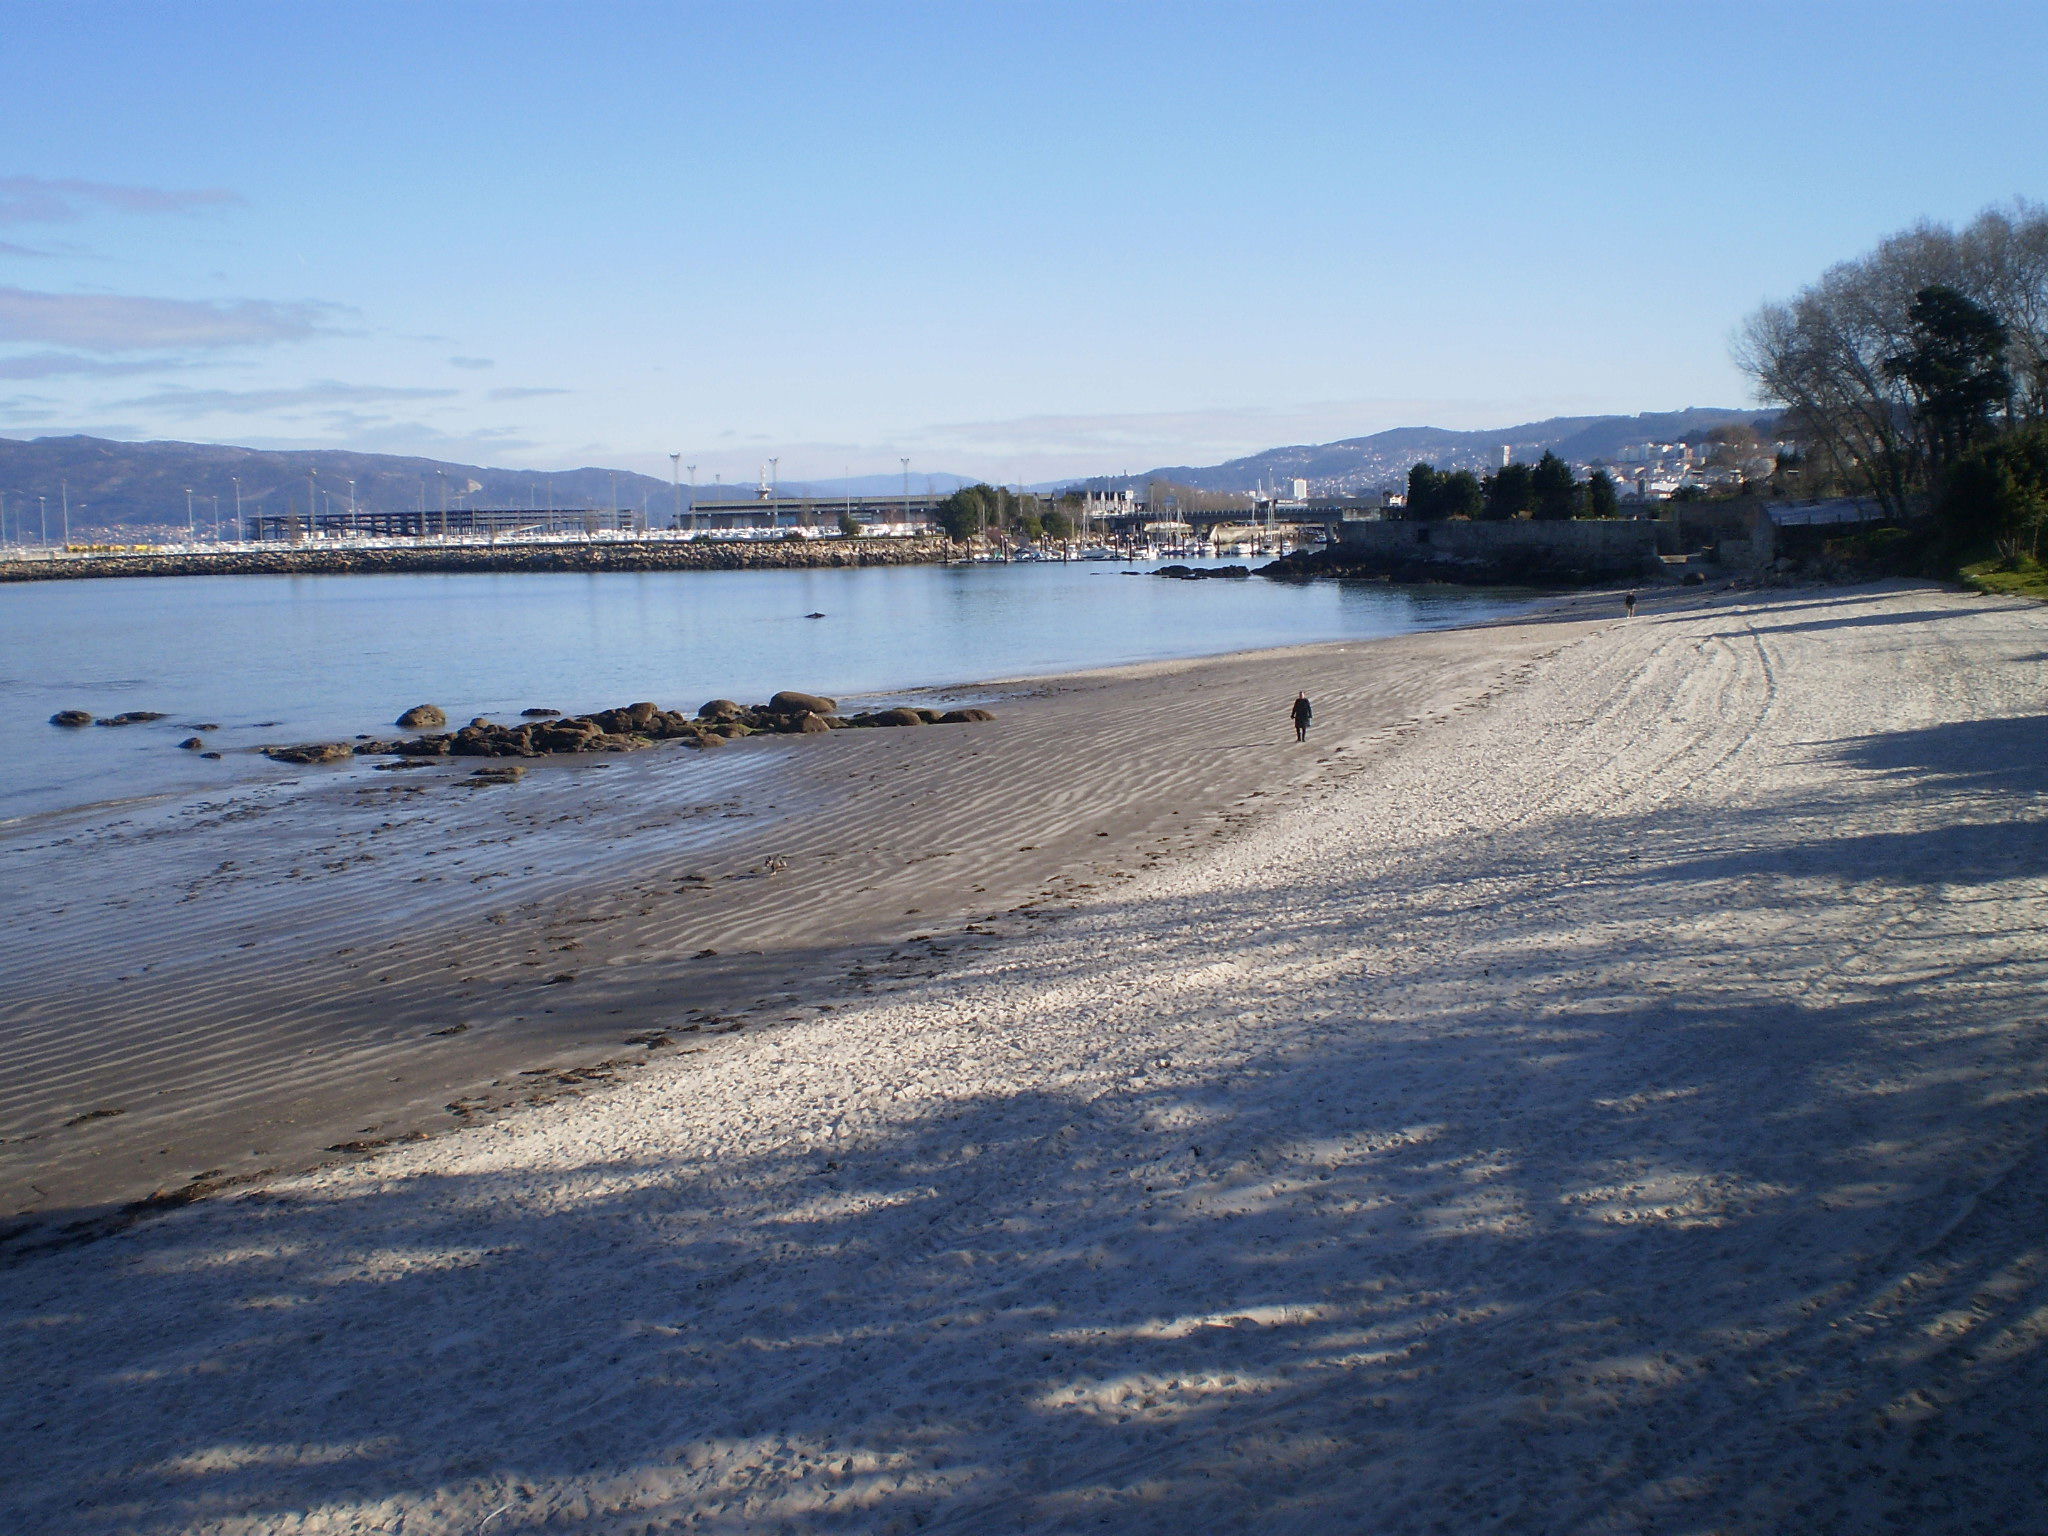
[1628, 606]
[1303, 713]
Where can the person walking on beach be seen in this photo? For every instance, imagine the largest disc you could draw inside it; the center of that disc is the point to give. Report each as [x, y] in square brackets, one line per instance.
[1628, 606]
[1303, 713]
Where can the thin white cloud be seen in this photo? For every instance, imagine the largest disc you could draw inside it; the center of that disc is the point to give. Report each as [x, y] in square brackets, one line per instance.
[50, 365]
[328, 394]
[38, 200]
[9, 248]
[526, 393]
[364, 434]
[111, 322]
[472, 362]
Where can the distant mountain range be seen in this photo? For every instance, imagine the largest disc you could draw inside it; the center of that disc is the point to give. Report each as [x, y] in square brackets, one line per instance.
[144, 484]
[111, 484]
[1368, 463]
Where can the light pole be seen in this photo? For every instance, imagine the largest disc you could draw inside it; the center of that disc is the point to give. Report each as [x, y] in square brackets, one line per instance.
[312, 501]
[905, 462]
[191, 527]
[43, 520]
[675, 468]
[237, 481]
[64, 491]
[693, 496]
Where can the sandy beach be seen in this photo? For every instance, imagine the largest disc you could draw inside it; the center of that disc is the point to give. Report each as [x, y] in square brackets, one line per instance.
[1597, 1085]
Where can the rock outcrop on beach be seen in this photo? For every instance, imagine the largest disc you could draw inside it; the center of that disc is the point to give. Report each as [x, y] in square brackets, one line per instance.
[422, 717]
[628, 728]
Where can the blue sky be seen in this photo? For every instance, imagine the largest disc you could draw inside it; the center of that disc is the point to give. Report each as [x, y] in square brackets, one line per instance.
[1017, 241]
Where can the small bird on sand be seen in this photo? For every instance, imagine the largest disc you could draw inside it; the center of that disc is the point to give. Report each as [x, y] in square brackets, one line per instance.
[814, 615]
[775, 864]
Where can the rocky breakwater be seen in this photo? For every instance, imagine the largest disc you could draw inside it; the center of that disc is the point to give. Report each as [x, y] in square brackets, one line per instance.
[629, 728]
[598, 555]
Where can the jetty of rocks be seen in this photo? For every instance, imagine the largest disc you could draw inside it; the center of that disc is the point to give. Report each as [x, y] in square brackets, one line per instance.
[628, 728]
[599, 555]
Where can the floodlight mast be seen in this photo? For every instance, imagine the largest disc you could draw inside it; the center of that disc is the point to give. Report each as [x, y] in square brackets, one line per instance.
[675, 464]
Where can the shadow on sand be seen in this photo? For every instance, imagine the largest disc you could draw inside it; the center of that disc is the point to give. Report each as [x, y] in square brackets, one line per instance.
[1438, 1256]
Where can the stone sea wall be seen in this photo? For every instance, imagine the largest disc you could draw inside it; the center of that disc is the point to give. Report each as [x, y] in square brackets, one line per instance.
[1508, 553]
[312, 560]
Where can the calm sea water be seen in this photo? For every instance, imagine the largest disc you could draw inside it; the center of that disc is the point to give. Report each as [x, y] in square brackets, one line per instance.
[299, 658]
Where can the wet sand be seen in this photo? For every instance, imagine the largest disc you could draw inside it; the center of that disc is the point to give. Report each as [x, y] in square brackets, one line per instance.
[207, 990]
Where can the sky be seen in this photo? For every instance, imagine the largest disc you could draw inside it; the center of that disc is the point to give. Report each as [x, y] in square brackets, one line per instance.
[1018, 241]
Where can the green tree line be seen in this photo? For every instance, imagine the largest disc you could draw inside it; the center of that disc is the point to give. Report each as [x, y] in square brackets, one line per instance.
[1545, 490]
[975, 511]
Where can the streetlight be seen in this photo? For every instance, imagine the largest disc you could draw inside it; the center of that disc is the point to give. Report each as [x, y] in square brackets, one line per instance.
[191, 527]
[693, 496]
[675, 467]
[43, 520]
[905, 462]
[237, 480]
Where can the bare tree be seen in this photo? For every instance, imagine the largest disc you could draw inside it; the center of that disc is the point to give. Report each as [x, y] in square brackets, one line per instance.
[1822, 355]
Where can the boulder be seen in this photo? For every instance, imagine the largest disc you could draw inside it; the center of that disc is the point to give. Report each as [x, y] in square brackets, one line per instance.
[789, 702]
[312, 752]
[641, 715]
[193, 743]
[422, 717]
[71, 718]
[899, 716]
[538, 714]
[670, 725]
[964, 716]
[132, 717]
[721, 709]
[812, 724]
[930, 716]
[1179, 572]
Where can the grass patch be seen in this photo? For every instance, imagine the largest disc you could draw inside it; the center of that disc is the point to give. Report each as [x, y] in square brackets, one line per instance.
[2023, 577]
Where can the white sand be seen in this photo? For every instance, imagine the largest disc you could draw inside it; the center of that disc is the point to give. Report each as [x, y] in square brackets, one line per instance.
[1618, 1107]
